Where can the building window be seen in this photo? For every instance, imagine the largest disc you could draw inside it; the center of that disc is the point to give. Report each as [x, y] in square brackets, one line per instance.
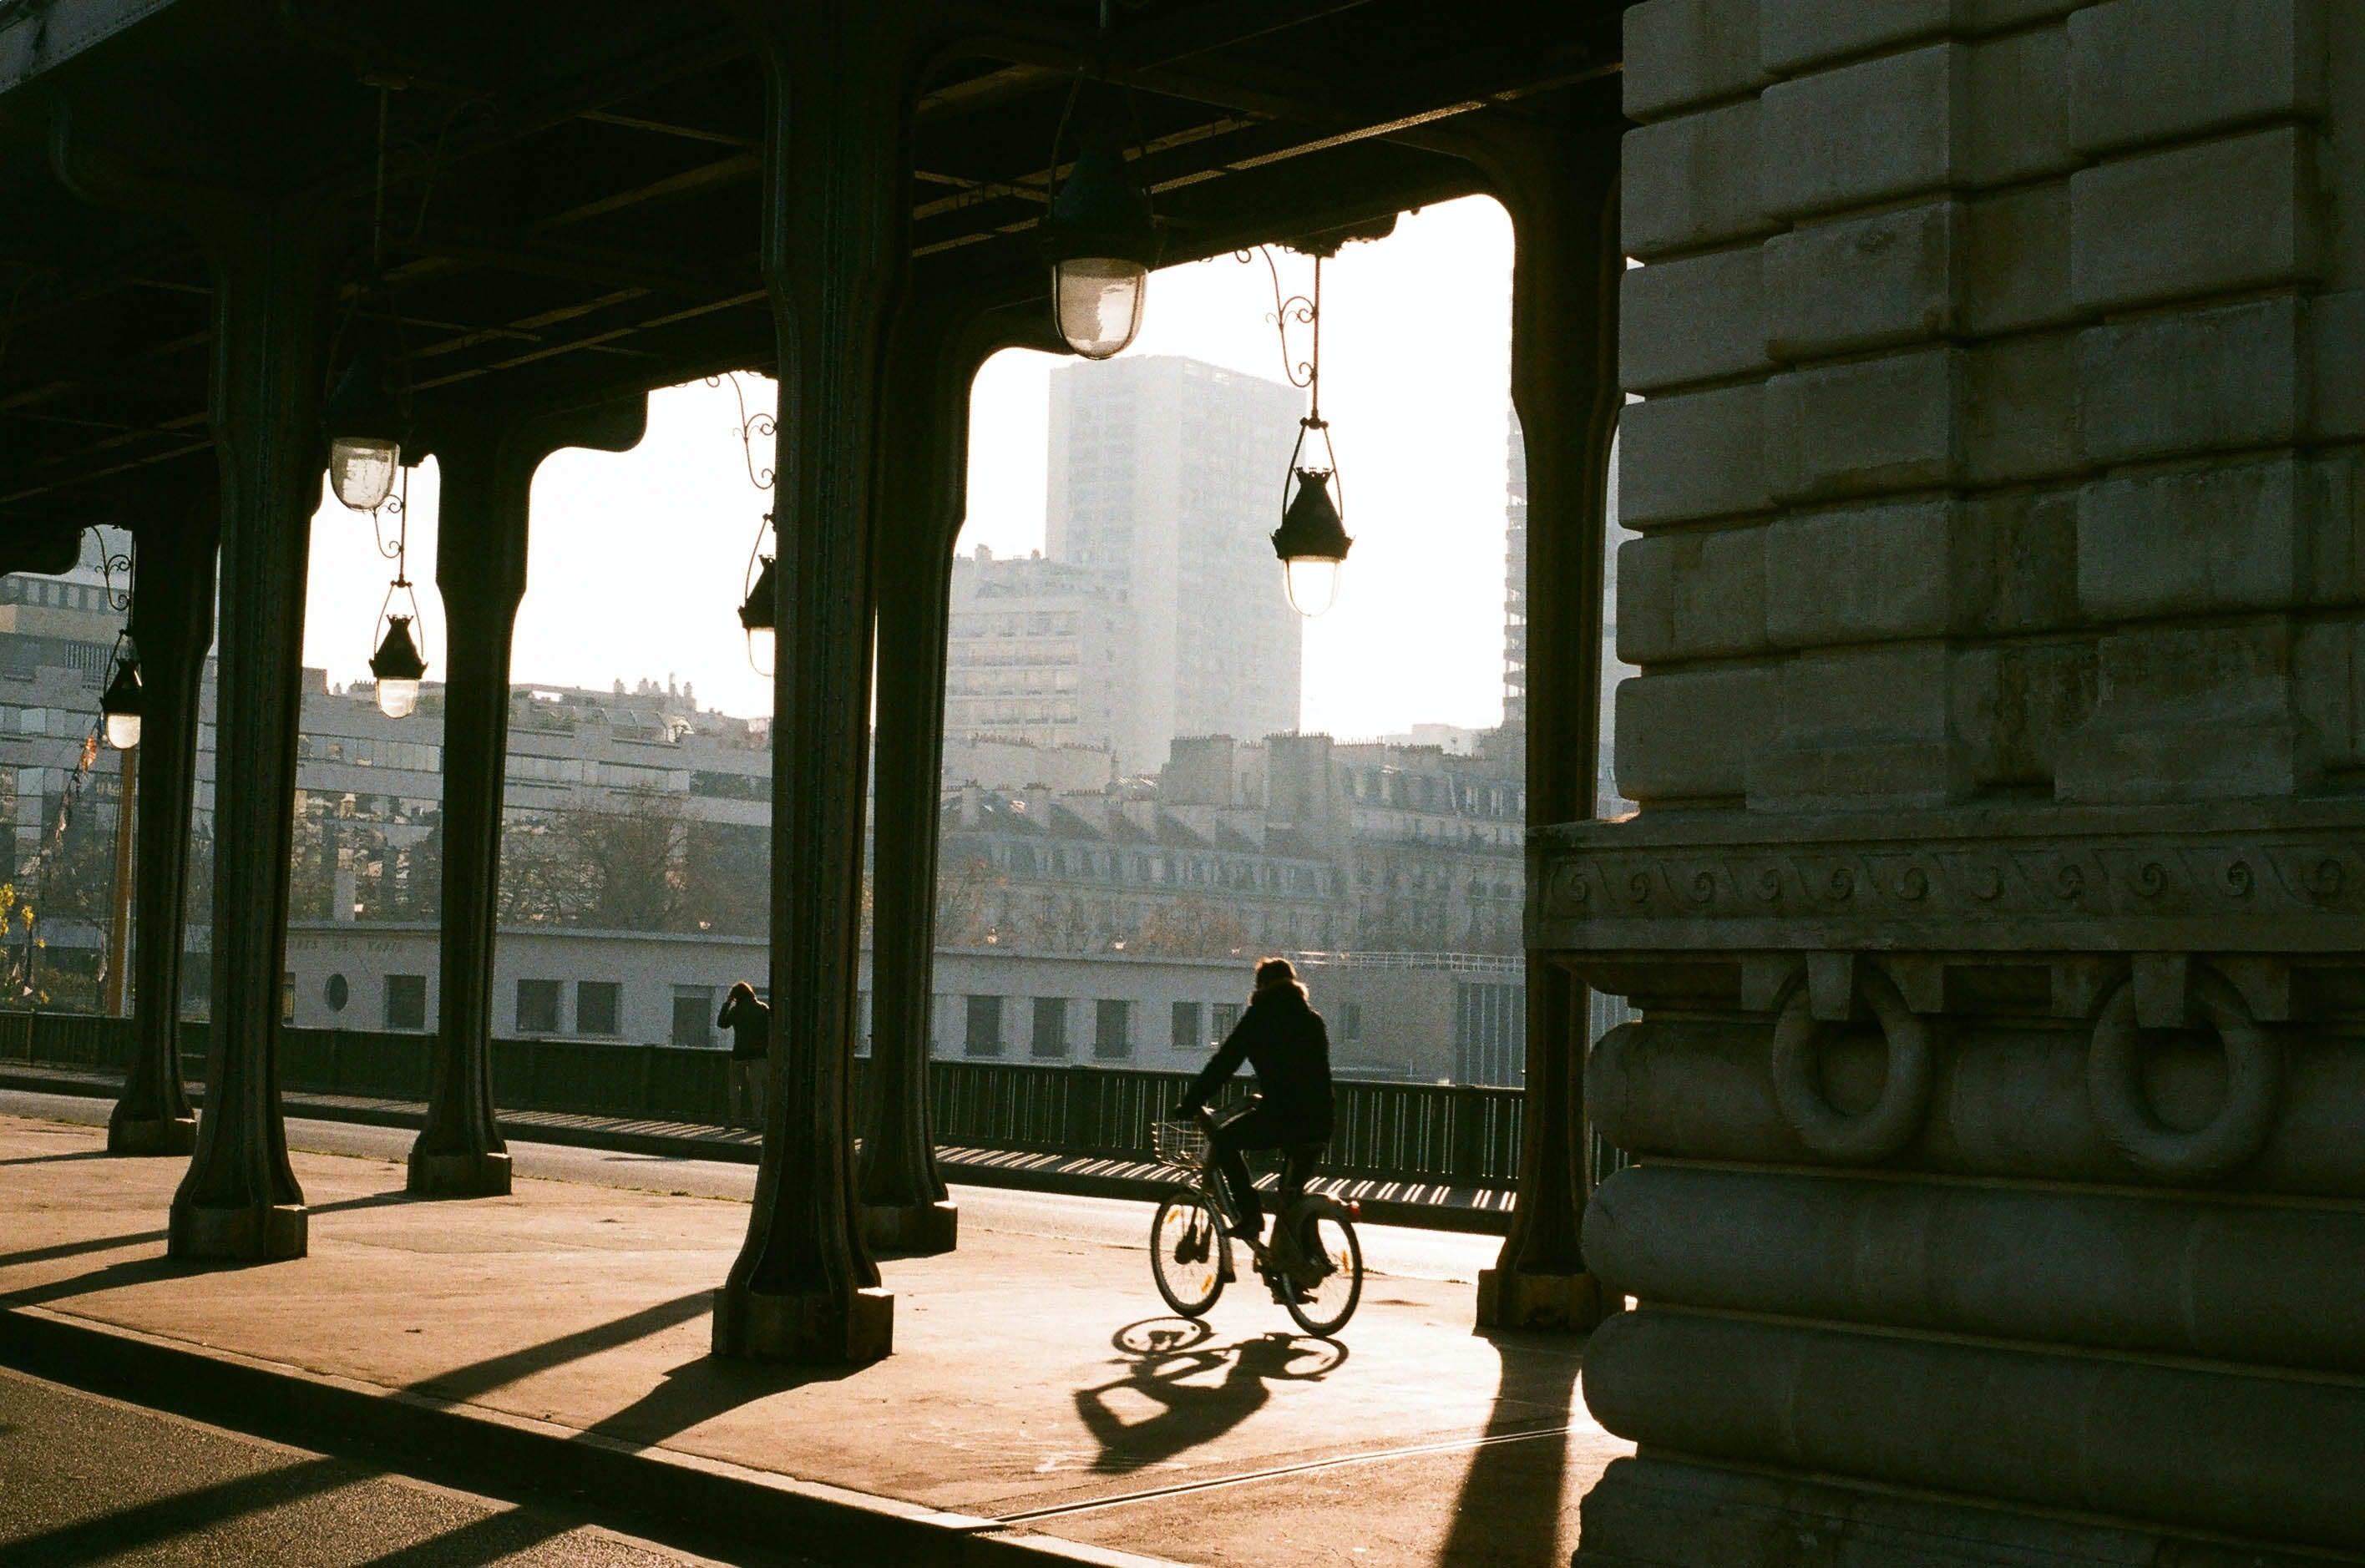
[1187, 1037]
[595, 1007]
[984, 1035]
[537, 1007]
[1050, 1037]
[406, 1002]
[1228, 1015]
[287, 997]
[693, 1017]
[337, 994]
[1112, 1030]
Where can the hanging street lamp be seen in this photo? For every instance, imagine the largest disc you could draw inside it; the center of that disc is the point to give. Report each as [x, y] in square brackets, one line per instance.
[120, 703]
[364, 425]
[399, 669]
[397, 664]
[1100, 239]
[1312, 540]
[756, 615]
[1098, 234]
[363, 415]
[756, 593]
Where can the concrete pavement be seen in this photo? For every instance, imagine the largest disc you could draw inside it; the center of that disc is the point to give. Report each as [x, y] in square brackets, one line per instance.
[87, 1480]
[1414, 1251]
[1036, 1379]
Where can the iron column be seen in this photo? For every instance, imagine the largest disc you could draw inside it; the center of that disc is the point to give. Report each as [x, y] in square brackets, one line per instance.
[804, 1287]
[172, 622]
[487, 461]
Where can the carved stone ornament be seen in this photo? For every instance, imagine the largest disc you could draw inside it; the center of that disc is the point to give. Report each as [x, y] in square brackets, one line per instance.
[2272, 877]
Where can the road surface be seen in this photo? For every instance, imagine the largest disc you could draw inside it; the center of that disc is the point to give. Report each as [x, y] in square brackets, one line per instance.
[89, 1480]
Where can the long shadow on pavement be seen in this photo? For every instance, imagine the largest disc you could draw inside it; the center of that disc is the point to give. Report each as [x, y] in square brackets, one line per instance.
[119, 1534]
[495, 1372]
[1510, 1508]
[1164, 1354]
[78, 1248]
[697, 1391]
[142, 1238]
[54, 1158]
[129, 1271]
[494, 1537]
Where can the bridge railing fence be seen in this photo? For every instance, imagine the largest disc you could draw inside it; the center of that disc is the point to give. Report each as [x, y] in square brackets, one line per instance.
[1451, 1134]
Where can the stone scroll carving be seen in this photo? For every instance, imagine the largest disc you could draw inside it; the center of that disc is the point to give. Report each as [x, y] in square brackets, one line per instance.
[1609, 885]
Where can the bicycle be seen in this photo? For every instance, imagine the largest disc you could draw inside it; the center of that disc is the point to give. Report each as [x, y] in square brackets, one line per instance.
[1314, 1262]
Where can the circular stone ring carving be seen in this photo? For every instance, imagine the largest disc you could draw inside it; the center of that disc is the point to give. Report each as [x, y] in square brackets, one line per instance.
[1904, 1099]
[2254, 1087]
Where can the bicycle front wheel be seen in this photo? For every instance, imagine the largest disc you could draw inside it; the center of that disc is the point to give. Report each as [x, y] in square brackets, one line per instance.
[1322, 1305]
[1188, 1251]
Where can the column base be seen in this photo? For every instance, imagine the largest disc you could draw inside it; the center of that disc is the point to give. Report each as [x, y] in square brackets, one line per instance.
[1659, 1513]
[151, 1134]
[911, 1230]
[813, 1329]
[261, 1235]
[459, 1175]
[1514, 1298]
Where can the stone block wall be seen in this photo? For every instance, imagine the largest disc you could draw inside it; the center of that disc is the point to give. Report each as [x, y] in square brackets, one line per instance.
[1999, 605]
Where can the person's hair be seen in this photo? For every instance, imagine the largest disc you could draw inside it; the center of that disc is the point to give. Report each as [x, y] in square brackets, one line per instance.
[740, 989]
[1275, 971]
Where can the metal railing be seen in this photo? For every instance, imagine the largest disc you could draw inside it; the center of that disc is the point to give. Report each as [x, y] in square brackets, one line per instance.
[1454, 1134]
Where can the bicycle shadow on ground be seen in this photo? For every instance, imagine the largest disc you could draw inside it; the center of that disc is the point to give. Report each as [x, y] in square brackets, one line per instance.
[1196, 1390]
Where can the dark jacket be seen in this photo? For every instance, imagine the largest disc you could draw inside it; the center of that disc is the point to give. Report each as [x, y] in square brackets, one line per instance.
[1283, 1039]
[750, 1023]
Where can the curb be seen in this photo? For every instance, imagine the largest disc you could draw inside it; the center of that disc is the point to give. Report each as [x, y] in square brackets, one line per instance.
[681, 1499]
[1023, 1171]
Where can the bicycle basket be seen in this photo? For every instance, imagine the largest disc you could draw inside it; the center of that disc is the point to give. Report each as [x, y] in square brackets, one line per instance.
[1183, 1145]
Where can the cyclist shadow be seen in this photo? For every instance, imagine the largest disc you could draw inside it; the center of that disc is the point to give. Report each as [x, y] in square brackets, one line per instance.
[1170, 1363]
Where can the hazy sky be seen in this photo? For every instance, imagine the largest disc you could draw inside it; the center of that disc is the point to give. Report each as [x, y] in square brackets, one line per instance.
[636, 561]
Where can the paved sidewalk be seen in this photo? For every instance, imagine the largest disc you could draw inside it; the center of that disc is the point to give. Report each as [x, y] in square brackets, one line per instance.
[1037, 1382]
[1430, 1204]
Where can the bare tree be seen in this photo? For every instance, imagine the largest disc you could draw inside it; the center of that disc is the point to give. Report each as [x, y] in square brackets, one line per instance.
[620, 869]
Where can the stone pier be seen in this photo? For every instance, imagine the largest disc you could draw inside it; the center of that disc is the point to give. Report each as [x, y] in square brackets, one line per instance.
[1996, 909]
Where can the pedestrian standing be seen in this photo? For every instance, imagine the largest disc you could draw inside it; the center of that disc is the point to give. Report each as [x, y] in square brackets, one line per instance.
[750, 1023]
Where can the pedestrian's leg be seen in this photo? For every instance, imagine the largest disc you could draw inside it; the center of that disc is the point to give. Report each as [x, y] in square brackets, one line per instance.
[731, 1072]
[1237, 1183]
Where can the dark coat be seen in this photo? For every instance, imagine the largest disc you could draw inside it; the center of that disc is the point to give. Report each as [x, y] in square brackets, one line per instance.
[1284, 1040]
[750, 1023]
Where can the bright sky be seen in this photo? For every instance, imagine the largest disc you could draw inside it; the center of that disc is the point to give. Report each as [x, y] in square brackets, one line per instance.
[637, 559]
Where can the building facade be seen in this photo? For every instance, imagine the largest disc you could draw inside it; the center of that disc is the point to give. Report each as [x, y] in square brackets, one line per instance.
[1039, 653]
[1160, 485]
[1400, 1017]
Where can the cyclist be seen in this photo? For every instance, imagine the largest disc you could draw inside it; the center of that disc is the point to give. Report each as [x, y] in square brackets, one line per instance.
[1283, 1039]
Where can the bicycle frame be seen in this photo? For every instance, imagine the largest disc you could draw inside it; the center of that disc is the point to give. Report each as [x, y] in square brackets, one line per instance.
[1289, 1212]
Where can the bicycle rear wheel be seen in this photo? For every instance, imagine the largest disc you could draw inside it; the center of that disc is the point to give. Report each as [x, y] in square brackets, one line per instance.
[1327, 1240]
[1188, 1251]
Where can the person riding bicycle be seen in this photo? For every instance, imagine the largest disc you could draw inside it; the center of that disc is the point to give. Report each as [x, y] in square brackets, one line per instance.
[1284, 1040]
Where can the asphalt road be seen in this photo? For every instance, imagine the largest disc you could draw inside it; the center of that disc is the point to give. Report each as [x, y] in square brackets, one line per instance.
[1400, 1250]
[89, 1480]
